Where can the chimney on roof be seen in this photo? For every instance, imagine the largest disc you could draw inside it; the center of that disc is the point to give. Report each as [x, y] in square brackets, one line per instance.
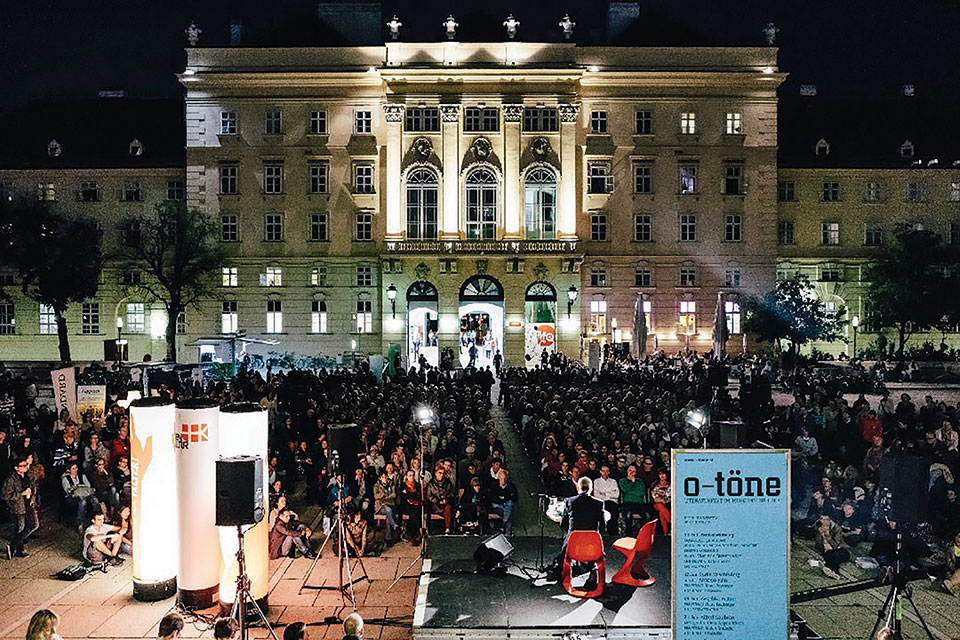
[621, 15]
[236, 32]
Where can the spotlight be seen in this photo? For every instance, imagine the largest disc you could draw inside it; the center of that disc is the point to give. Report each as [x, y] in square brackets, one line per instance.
[425, 415]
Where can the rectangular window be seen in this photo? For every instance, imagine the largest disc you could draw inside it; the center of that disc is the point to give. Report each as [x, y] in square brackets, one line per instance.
[363, 178]
[598, 316]
[136, 318]
[422, 119]
[130, 233]
[131, 191]
[363, 122]
[273, 227]
[318, 316]
[274, 316]
[89, 192]
[643, 227]
[953, 193]
[318, 276]
[786, 191]
[228, 180]
[46, 192]
[318, 123]
[688, 227]
[830, 233]
[129, 277]
[364, 316]
[228, 316]
[785, 232]
[829, 274]
[364, 227]
[318, 227]
[478, 120]
[229, 277]
[273, 178]
[733, 180]
[872, 235]
[537, 119]
[642, 277]
[734, 123]
[272, 277]
[688, 179]
[598, 277]
[688, 276]
[7, 191]
[732, 310]
[731, 278]
[598, 227]
[48, 320]
[915, 192]
[642, 177]
[733, 227]
[8, 319]
[229, 228]
[318, 177]
[228, 123]
[688, 317]
[688, 123]
[182, 323]
[176, 190]
[601, 178]
[955, 233]
[644, 123]
[90, 318]
[873, 192]
[364, 275]
[831, 191]
[598, 122]
[273, 122]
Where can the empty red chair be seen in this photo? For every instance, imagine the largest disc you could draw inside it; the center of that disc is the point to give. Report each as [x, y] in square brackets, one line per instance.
[584, 546]
[637, 551]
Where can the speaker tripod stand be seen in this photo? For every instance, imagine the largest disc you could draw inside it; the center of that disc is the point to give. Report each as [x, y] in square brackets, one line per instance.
[892, 608]
[243, 597]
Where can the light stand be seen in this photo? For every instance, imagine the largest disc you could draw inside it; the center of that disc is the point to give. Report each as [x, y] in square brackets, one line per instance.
[899, 590]
[425, 417]
[243, 594]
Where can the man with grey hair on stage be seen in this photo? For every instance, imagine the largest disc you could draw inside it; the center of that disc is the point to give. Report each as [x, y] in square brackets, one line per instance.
[582, 512]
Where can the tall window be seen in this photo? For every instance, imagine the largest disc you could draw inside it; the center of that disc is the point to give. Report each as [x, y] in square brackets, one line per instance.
[688, 179]
[688, 317]
[598, 316]
[688, 123]
[362, 122]
[273, 178]
[688, 276]
[731, 277]
[786, 191]
[273, 227]
[642, 277]
[643, 227]
[785, 232]
[733, 180]
[228, 316]
[48, 320]
[642, 177]
[830, 233]
[873, 192]
[953, 193]
[318, 227]
[364, 275]
[318, 122]
[540, 119]
[600, 178]
[364, 316]
[89, 192]
[136, 317]
[229, 228]
[477, 120]
[364, 230]
[274, 316]
[229, 277]
[688, 227]
[90, 318]
[954, 233]
[47, 192]
[598, 122]
[831, 191]
[540, 204]
[175, 190]
[422, 205]
[8, 319]
[273, 122]
[731, 310]
[598, 227]
[734, 123]
[318, 316]
[916, 192]
[318, 177]
[228, 123]
[318, 276]
[872, 234]
[272, 277]
[228, 180]
[598, 277]
[644, 123]
[131, 191]
[422, 119]
[733, 227]
[363, 178]
[481, 205]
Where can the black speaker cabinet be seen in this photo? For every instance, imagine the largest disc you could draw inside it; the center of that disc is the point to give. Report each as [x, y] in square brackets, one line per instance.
[344, 440]
[905, 479]
[239, 490]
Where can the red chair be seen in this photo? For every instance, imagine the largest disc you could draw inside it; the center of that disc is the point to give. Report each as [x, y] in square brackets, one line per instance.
[584, 546]
[633, 573]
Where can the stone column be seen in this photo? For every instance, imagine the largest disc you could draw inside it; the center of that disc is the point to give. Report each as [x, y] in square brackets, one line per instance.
[568, 168]
[513, 205]
[450, 220]
[393, 114]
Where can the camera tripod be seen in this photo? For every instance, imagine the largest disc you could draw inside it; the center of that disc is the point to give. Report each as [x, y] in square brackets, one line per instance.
[892, 609]
[343, 549]
[243, 595]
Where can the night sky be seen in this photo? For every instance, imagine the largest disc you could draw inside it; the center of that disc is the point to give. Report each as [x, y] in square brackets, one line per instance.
[856, 48]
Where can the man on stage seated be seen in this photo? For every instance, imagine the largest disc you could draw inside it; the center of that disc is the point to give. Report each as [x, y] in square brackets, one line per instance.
[583, 512]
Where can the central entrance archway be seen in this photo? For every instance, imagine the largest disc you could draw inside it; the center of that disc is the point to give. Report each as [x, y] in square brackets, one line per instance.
[422, 323]
[481, 320]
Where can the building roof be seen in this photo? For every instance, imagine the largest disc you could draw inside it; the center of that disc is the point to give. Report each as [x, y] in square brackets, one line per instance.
[94, 134]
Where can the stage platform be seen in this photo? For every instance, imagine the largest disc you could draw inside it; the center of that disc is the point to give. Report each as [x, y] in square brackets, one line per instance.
[455, 602]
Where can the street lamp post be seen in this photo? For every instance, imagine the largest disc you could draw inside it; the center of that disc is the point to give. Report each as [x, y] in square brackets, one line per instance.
[119, 341]
[392, 297]
[855, 322]
[571, 298]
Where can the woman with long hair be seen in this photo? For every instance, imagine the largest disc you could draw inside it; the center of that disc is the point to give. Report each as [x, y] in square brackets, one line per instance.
[660, 493]
[43, 625]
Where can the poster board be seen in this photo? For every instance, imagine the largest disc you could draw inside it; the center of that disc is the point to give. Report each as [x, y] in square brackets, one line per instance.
[92, 398]
[731, 543]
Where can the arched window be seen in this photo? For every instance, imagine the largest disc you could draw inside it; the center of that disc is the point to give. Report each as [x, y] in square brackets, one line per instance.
[481, 288]
[422, 201]
[481, 205]
[540, 203]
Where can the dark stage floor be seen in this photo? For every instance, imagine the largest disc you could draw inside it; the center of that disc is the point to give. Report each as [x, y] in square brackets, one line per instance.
[454, 601]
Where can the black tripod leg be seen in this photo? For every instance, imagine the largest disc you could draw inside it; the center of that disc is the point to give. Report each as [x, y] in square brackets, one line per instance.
[882, 613]
[916, 610]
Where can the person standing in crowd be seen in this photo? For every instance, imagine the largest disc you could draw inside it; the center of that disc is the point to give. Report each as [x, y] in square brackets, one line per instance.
[20, 498]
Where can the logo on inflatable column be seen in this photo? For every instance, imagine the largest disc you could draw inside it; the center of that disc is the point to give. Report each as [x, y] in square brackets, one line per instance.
[190, 433]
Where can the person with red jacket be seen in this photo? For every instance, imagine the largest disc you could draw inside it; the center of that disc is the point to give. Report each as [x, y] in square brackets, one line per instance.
[870, 427]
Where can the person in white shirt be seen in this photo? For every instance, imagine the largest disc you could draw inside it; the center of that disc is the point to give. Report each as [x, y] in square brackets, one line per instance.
[101, 542]
[607, 490]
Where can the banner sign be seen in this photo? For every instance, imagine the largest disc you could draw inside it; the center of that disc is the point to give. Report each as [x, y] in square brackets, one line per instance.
[539, 337]
[65, 390]
[92, 399]
[731, 542]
